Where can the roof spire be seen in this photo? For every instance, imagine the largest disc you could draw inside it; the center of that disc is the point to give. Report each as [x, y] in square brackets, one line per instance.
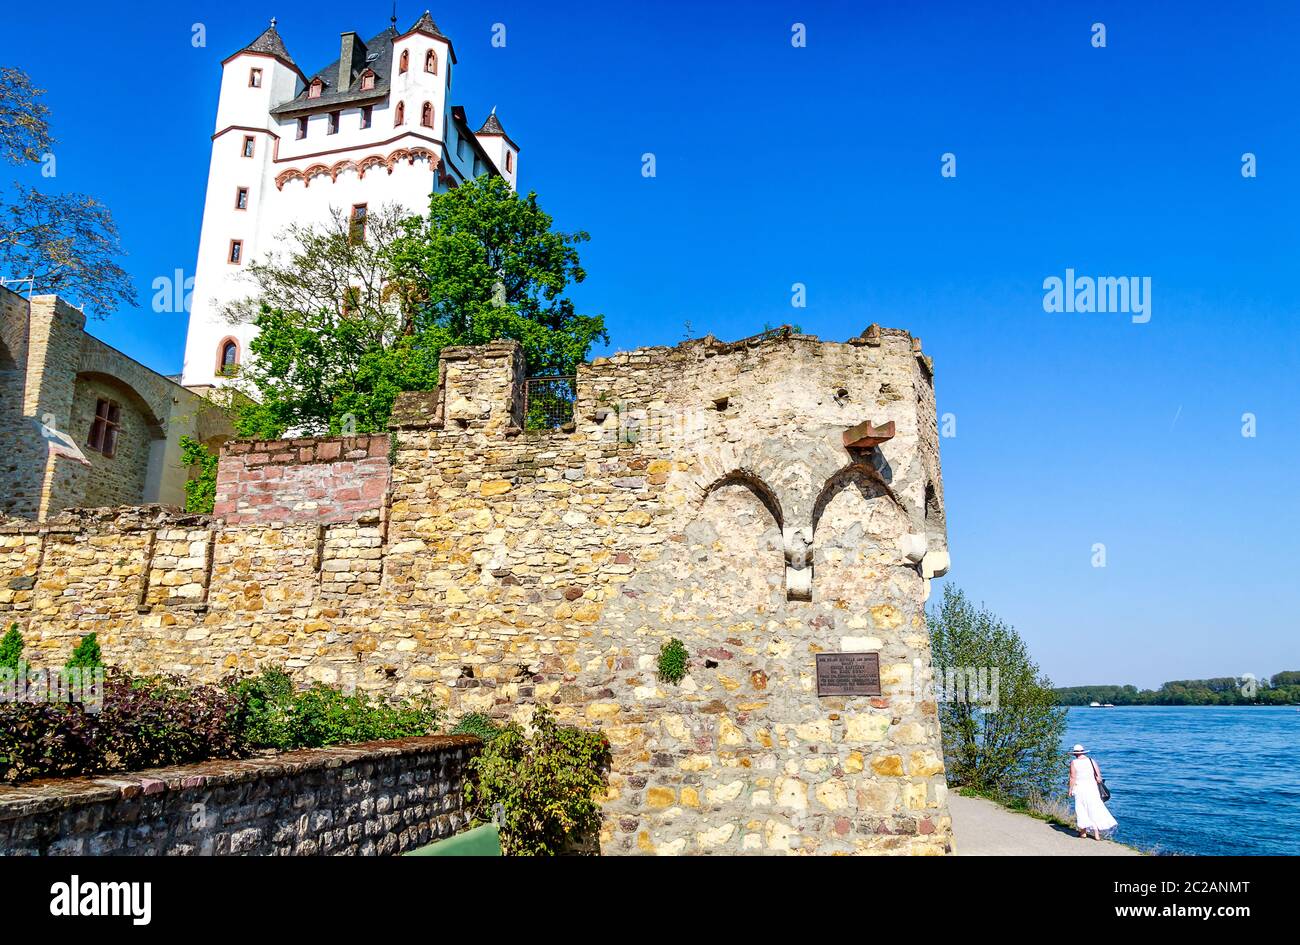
[272, 22]
[393, 20]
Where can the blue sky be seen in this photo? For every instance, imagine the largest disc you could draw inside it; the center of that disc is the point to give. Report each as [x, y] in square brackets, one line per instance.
[821, 165]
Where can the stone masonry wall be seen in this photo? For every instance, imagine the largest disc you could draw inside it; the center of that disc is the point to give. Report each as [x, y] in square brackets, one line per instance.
[380, 799]
[703, 492]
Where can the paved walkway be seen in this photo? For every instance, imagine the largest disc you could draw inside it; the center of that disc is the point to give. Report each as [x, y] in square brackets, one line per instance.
[982, 828]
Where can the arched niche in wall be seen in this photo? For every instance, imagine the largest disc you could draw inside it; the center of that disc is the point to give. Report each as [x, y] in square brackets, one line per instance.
[735, 544]
[857, 525]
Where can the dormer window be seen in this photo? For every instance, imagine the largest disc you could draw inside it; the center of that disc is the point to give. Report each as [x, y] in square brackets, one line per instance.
[314, 90]
[399, 117]
[367, 81]
[404, 62]
[426, 115]
[431, 62]
[254, 78]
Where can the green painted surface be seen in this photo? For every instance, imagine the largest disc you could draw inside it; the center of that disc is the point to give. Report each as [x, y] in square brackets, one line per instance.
[478, 841]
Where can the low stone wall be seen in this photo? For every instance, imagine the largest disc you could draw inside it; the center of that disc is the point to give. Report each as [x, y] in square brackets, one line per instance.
[380, 798]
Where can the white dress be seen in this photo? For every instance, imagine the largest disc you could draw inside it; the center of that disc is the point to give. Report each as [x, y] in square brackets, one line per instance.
[1089, 810]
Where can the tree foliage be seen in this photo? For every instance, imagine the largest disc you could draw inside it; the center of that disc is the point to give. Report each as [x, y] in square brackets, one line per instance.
[24, 119]
[200, 491]
[546, 785]
[1282, 689]
[337, 340]
[346, 322]
[488, 266]
[1016, 749]
[67, 244]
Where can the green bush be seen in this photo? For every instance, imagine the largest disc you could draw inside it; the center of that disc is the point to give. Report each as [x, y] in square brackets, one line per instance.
[11, 649]
[478, 725]
[86, 655]
[546, 785]
[672, 661]
[272, 715]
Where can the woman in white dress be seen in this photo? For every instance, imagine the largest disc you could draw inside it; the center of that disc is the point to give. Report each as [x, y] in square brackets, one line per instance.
[1090, 811]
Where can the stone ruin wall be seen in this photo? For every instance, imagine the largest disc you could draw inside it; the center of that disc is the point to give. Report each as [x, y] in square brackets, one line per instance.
[702, 492]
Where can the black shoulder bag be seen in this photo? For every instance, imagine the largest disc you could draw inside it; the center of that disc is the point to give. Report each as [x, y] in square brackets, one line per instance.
[1101, 782]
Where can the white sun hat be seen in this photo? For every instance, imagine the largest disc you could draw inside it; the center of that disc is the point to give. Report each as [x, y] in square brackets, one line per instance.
[1079, 750]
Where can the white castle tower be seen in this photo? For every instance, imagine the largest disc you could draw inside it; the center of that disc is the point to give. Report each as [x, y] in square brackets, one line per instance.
[373, 128]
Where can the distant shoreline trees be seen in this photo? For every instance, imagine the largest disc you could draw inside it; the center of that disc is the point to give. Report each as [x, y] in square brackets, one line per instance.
[1281, 689]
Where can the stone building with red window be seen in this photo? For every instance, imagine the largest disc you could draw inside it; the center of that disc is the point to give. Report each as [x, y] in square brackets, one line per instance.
[82, 424]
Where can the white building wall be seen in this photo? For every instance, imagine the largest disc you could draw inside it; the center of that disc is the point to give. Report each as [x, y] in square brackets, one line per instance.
[275, 202]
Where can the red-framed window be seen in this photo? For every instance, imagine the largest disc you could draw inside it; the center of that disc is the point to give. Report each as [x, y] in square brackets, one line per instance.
[250, 145]
[241, 198]
[236, 255]
[357, 223]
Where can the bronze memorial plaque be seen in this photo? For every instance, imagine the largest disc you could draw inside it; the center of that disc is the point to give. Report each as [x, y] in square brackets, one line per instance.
[848, 674]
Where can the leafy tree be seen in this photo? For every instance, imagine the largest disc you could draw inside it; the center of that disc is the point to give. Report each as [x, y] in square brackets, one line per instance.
[488, 266]
[347, 320]
[201, 491]
[24, 118]
[67, 244]
[336, 333]
[1015, 750]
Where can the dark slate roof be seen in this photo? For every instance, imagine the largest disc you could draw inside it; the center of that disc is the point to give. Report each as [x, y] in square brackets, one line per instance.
[492, 126]
[270, 44]
[425, 24]
[381, 47]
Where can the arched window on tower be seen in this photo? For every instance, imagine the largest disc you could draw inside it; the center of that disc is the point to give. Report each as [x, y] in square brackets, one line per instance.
[431, 62]
[426, 115]
[404, 62]
[399, 117]
[228, 358]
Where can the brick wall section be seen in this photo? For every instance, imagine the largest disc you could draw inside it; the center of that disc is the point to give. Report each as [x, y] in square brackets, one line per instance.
[381, 798]
[307, 480]
[698, 488]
